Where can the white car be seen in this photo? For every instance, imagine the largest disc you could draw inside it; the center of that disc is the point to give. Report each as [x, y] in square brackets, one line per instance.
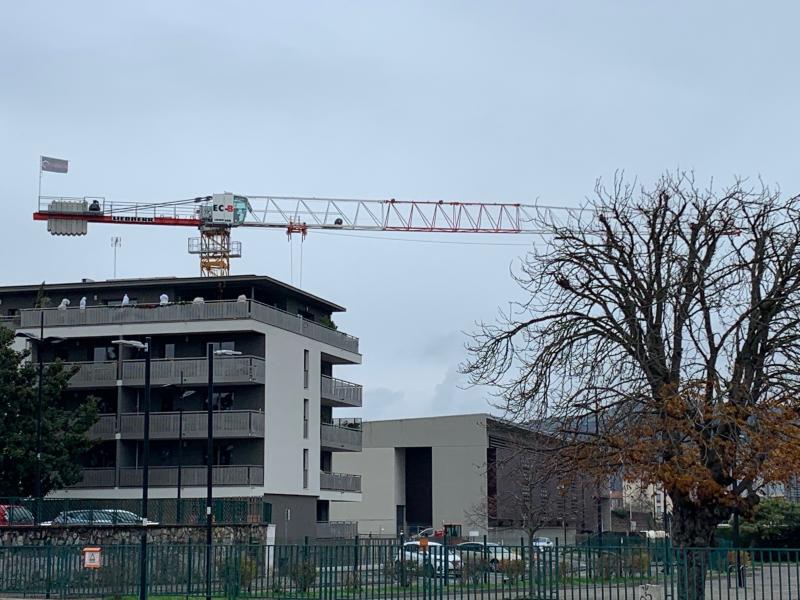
[495, 553]
[433, 560]
[542, 542]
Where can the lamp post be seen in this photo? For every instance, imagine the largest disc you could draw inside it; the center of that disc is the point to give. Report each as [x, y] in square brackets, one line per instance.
[40, 342]
[211, 353]
[146, 346]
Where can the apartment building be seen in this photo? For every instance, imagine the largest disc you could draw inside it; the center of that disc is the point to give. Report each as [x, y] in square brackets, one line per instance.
[467, 470]
[275, 425]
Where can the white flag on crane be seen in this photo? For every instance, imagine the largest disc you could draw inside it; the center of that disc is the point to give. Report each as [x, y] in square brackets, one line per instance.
[54, 165]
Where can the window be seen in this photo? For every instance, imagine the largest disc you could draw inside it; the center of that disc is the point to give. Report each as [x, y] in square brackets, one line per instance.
[306, 361]
[305, 468]
[102, 353]
[169, 350]
[305, 418]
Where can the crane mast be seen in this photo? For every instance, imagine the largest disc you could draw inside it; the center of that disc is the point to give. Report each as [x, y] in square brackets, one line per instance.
[216, 215]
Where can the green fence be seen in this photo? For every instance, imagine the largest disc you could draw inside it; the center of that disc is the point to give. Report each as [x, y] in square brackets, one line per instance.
[127, 511]
[361, 571]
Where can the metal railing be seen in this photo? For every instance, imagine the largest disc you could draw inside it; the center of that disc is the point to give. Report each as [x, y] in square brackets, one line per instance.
[191, 371]
[341, 437]
[92, 374]
[340, 391]
[167, 425]
[353, 569]
[340, 530]
[189, 311]
[74, 512]
[339, 482]
[165, 371]
[191, 476]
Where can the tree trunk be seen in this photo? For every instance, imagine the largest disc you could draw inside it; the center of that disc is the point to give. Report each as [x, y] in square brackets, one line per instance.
[692, 533]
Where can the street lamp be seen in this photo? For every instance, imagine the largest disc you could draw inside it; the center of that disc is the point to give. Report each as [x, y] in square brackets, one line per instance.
[211, 352]
[186, 394]
[145, 457]
[40, 342]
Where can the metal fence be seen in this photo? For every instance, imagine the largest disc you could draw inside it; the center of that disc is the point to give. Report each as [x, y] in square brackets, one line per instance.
[361, 571]
[126, 511]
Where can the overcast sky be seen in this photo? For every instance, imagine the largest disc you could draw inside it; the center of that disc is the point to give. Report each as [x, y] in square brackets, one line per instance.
[483, 101]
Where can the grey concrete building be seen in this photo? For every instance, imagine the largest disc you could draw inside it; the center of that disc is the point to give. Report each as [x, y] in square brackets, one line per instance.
[461, 469]
[275, 429]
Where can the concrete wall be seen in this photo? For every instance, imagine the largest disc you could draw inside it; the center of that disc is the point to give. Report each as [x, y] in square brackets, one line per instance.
[458, 446]
[284, 410]
[459, 488]
[381, 486]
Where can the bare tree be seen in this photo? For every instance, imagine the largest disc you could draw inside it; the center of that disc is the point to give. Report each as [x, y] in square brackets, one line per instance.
[660, 331]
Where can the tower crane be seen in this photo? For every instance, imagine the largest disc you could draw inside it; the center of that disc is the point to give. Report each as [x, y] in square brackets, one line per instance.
[216, 215]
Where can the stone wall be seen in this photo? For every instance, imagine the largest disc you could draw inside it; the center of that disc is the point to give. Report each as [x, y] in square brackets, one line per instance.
[122, 535]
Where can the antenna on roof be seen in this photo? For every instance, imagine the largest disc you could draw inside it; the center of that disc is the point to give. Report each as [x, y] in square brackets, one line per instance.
[116, 242]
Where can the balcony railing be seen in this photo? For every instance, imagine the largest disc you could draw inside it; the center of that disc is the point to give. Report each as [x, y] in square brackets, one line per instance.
[340, 482]
[97, 478]
[93, 374]
[167, 425]
[341, 435]
[189, 371]
[191, 476]
[342, 530]
[340, 392]
[206, 311]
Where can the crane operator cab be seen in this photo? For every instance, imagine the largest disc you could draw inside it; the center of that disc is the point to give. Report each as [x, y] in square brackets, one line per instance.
[227, 210]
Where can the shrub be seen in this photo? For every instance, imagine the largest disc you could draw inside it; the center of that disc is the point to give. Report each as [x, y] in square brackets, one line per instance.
[638, 563]
[565, 568]
[303, 574]
[352, 581]
[473, 568]
[512, 569]
[404, 574]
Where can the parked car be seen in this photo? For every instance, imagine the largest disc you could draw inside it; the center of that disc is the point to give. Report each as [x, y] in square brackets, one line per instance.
[12, 514]
[433, 561]
[80, 517]
[427, 532]
[495, 554]
[124, 517]
[542, 542]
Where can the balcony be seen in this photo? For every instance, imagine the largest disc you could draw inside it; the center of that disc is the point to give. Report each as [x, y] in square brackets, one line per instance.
[191, 476]
[175, 313]
[97, 478]
[340, 482]
[341, 434]
[167, 425]
[92, 374]
[169, 371]
[194, 371]
[338, 392]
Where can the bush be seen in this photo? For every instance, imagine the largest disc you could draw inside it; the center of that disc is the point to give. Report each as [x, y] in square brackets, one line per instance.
[512, 569]
[565, 569]
[638, 563]
[473, 568]
[303, 574]
[352, 581]
[606, 565]
[404, 574]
